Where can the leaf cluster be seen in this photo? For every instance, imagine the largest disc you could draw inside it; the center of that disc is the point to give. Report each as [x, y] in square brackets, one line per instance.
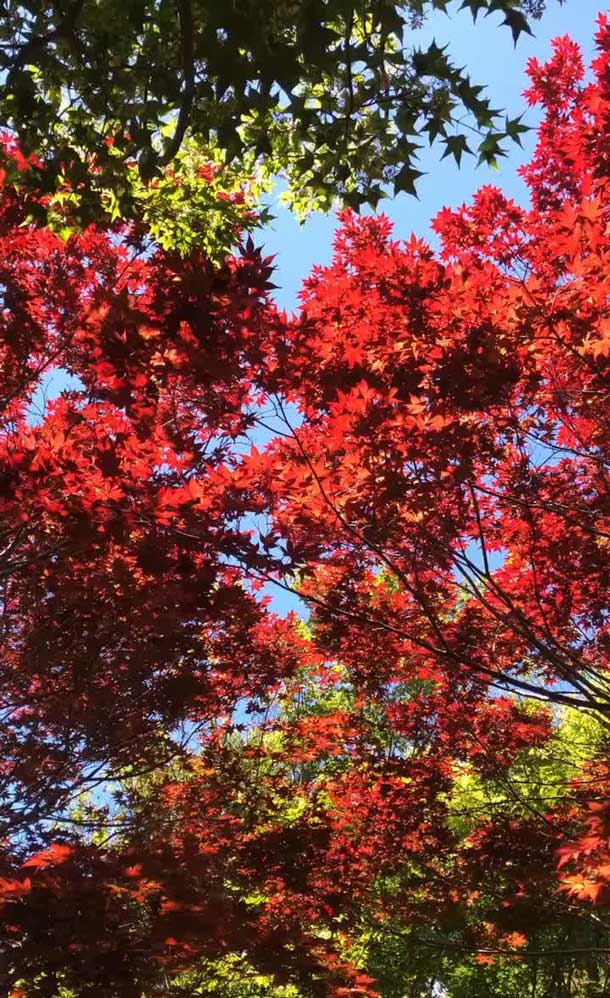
[330, 93]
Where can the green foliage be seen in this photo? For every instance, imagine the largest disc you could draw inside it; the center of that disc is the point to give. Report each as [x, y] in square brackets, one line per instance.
[329, 93]
[230, 977]
[539, 779]
[200, 202]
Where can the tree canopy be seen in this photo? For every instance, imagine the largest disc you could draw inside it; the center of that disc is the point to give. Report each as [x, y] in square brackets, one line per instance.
[403, 789]
[334, 94]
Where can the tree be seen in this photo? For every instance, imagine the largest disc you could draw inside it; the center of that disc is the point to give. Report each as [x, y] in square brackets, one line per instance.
[451, 424]
[126, 629]
[333, 846]
[104, 609]
[330, 93]
[479, 912]
[190, 784]
[440, 480]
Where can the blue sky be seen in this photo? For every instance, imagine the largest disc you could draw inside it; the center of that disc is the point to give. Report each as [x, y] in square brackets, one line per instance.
[488, 52]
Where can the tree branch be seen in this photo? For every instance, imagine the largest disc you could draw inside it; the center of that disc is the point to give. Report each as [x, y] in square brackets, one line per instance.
[188, 69]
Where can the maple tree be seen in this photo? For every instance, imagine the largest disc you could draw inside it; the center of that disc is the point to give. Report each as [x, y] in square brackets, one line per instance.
[125, 627]
[440, 490]
[443, 484]
[456, 889]
[335, 95]
[199, 795]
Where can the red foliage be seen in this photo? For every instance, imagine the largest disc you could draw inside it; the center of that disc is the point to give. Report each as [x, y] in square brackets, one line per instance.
[453, 429]
[443, 494]
[125, 623]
